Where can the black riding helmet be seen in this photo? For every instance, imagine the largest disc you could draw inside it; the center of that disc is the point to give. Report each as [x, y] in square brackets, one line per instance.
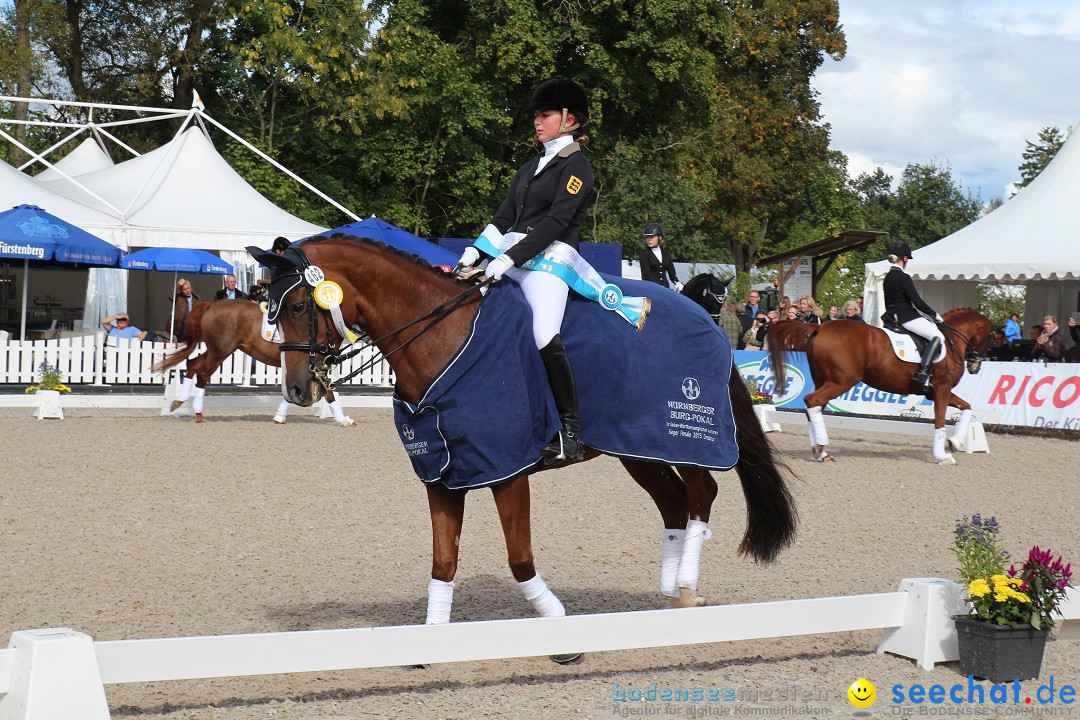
[558, 93]
[900, 250]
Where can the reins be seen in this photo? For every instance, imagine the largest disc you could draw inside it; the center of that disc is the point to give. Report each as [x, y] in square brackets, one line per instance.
[439, 313]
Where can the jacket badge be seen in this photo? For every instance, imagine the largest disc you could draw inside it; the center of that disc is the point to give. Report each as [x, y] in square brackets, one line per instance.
[573, 185]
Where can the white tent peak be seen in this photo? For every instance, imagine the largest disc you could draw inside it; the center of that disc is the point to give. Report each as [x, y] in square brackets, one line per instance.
[1033, 236]
[184, 194]
[86, 157]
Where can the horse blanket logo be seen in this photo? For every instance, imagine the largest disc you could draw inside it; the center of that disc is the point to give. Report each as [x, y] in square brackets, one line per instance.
[679, 413]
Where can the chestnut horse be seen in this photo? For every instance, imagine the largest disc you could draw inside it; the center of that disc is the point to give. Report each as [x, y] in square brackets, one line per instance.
[227, 326]
[843, 352]
[386, 292]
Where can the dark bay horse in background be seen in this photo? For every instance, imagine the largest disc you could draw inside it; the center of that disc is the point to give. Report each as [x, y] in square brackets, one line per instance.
[227, 326]
[842, 353]
[708, 291]
[386, 291]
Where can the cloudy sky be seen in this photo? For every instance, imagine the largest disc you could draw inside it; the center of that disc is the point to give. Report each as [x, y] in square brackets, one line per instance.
[951, 81]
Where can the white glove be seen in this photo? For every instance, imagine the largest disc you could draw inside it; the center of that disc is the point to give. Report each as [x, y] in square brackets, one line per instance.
[678, 286]
[469, 257]
[498, 266]
[937, 316]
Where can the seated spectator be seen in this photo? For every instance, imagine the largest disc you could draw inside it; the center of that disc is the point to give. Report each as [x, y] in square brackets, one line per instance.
[999, 348]
[732, 326]
[808, 311]
[851, 311]
[122, 329]
[1012, 328]
[1035, 332]
[1050, 345]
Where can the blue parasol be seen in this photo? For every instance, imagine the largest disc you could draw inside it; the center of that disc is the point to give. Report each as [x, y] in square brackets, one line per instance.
[375, 229]
[178, 260]
[28, 233]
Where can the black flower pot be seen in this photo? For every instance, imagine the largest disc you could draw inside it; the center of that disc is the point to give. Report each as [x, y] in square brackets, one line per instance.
[999, 653]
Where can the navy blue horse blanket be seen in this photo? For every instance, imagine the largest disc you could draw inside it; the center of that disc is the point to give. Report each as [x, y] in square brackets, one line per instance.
[658, 394]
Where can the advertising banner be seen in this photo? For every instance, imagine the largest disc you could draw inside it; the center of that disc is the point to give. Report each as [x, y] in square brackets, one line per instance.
[1003, 393]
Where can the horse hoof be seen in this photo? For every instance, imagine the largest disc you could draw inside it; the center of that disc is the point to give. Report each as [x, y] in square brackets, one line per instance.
[199, 418]
[955, 444]
[279, 419]
[687, 598]
[568, 658]
[347, 422]
[175, 405]
[947, 460]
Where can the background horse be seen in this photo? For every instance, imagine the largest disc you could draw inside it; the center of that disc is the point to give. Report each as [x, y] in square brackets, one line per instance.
[385, 291]
[842, 353]
[227, 326]
[709, 292]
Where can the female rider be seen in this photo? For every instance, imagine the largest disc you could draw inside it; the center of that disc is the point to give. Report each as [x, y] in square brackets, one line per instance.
[903, 304]
[546, 202]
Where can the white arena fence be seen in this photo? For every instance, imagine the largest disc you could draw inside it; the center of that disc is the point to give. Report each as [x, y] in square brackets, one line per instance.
[100, 360]
[59, 673]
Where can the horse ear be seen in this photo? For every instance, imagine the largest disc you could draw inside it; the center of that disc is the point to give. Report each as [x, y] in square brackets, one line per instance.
[267, 258]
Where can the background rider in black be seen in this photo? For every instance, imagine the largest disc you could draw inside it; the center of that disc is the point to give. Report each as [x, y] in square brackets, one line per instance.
[653, 268]
[903, 304]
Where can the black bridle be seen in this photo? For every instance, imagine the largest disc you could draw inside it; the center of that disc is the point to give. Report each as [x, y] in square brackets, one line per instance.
[329, 350]
[973, 356]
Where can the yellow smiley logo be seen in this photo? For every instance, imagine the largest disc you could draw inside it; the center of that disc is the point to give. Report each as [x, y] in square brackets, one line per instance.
[862, 693]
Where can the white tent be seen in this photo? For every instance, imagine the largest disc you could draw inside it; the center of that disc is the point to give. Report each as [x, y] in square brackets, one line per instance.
[1033, 240]
[184, 194]
[87, 156]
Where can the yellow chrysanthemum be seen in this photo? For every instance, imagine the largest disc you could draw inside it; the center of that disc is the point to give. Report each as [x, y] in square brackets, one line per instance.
[999, 579]
[1021, 597]
[978, 588]
[1000, 597]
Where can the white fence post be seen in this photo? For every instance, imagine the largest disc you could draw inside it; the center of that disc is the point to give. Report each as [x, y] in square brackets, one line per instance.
[54, 676]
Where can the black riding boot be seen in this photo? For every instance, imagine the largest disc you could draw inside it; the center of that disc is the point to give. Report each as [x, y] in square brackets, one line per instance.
[922, 375]
[567, 444]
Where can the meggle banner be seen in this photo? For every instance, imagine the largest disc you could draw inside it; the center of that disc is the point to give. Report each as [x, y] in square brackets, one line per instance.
[1006, 393]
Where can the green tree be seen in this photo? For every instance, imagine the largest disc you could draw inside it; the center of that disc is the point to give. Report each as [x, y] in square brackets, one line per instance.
[1037, 155]
[929, 205]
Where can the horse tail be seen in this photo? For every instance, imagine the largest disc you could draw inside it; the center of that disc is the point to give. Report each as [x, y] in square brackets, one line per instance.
[788, 336]
[771, 517]
[192, 338]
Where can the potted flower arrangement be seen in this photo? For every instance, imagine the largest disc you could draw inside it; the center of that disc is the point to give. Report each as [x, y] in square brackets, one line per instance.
[759, 398]
[1011, 611]
[50, 380]
[48, 392]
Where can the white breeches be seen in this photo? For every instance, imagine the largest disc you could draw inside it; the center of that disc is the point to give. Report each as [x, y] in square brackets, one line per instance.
[546, 295]
[927, 329]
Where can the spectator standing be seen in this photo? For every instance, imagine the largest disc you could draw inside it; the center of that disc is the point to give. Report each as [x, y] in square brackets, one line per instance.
[834, 314]
[807, 311]
[257, 294]
[229, 292]
[753, 305]
[119, 326]
[792, 312]
[732, 327]
[183, 299]
[1050, 345]
[1012, 328]
[656, 263]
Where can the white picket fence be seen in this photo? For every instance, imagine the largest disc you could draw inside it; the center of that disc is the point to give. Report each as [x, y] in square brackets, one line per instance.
[99, 360]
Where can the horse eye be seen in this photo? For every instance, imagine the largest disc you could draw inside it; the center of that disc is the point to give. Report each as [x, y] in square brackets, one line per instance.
[297, 308]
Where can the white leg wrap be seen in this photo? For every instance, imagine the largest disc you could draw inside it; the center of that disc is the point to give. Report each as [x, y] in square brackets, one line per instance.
[335, 410]
[283, 407]
[185, 389]
[939, 444]
[669, 560]
[962, 423]
[440, 597]
[818, 434]
[697, 533]
[539, 594]
[197, 403]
